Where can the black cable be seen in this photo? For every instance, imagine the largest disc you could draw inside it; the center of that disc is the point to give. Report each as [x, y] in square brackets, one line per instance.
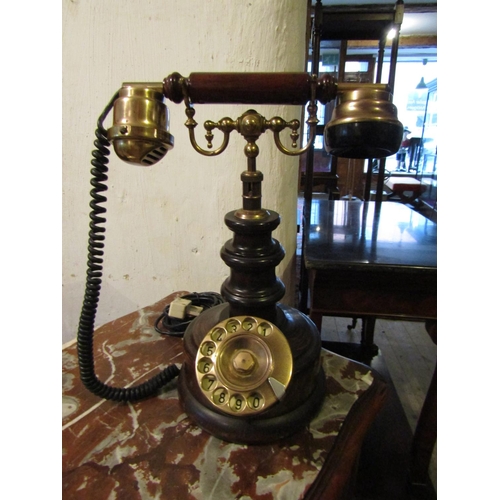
[94, 280]
[176, 327]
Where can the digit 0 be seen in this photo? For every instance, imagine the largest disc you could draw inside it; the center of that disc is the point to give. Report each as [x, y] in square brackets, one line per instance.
[255, 401]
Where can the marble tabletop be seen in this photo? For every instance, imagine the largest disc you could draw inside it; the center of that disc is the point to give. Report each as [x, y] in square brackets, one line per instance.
[151, 449]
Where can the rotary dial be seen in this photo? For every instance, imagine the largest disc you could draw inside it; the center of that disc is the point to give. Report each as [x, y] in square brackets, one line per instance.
[244, 365]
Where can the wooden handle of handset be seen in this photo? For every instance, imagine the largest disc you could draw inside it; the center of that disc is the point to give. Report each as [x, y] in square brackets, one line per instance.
[249, 88]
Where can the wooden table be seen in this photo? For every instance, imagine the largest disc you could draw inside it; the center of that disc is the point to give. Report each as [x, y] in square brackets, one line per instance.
[151, 449]
[376, 260]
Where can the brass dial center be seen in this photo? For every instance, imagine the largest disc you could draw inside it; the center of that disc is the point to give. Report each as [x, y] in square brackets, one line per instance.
[243, 361]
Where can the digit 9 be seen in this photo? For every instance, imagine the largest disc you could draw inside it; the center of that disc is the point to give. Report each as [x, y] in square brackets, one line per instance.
[237, 403]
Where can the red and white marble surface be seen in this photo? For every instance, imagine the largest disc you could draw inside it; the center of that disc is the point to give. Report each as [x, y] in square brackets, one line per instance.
[151, 449]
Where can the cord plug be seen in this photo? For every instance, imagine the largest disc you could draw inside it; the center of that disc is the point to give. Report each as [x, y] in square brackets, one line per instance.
[178, 308]
[177, 315]
[193, 310]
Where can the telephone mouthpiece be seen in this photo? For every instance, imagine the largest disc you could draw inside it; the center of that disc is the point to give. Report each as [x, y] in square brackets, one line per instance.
[140, 132]
[364, 124]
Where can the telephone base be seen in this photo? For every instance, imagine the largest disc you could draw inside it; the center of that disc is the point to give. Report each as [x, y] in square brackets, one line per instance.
[294, 410]
[252, 431]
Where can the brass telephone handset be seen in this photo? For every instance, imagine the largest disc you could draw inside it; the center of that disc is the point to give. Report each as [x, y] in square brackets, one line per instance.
[252, 372]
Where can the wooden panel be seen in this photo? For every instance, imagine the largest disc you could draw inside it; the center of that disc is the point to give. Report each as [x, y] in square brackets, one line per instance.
[422, 41]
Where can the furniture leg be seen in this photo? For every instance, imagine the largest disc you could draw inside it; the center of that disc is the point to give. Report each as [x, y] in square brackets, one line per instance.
[303, 284]
[380, 180]
[426, 430]
[425, 437]
[367, 332]
[368, 180]
[353, 324]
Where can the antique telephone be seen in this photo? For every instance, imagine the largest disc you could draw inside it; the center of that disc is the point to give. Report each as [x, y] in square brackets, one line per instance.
[252, 372]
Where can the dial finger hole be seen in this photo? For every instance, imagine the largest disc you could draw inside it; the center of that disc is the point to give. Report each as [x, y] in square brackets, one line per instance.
[264, 329]
[232, 325]
[218, 334]
[248, 324]
[237, 403]
[255, 401]
[208, 382]
[207, 348]
[220, 396]
[204, 365]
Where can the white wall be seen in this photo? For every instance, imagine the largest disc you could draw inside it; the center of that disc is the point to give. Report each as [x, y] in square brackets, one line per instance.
[165, 224]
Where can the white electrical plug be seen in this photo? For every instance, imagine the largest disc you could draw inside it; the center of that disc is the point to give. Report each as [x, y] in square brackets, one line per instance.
[194, 310]
[178, 308]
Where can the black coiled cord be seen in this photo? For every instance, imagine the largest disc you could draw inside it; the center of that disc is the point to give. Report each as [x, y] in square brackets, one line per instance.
[93, 284]
[166, 325]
